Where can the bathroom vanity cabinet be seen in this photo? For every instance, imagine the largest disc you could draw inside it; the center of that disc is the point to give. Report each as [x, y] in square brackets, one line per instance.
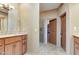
[76, 45]
[13, 45]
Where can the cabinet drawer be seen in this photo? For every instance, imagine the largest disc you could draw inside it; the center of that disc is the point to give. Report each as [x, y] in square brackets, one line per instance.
[12, 39]
[24, 37]
[1, 42]
[1, 50]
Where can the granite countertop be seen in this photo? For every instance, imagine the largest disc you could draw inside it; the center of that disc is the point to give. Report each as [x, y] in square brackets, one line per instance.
[10, 35]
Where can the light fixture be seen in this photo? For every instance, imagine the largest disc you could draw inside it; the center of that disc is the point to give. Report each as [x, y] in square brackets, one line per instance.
[6, 6]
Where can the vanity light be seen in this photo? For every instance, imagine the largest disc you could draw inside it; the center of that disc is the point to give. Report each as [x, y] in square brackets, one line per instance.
[6, 6]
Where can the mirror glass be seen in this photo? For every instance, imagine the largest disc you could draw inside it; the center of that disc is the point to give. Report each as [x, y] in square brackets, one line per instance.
[3, 18]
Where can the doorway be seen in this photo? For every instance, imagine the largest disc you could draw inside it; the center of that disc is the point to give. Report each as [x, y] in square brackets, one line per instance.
[63, 31]
[52, 31]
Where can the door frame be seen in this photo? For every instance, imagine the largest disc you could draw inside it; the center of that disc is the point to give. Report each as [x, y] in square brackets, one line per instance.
[69, 32]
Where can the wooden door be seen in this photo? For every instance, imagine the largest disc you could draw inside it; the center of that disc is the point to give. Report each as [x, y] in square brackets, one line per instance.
[63, 31]
[52, 30]
[9, 49]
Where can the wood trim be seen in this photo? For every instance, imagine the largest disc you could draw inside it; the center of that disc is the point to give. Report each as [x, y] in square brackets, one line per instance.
[63, 14]
[13, 42]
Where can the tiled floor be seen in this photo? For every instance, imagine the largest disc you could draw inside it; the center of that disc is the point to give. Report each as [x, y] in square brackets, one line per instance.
[48, 49]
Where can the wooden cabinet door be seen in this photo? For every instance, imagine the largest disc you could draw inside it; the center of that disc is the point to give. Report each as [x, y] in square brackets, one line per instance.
[13, 49]
[1, 50]
[9, 49]
[24, 46]
[18, 48]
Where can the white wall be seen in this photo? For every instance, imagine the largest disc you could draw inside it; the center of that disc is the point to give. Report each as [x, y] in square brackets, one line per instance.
[35, 26]
[74, 15]
[25, 19]
[50, 14]
[29, 14]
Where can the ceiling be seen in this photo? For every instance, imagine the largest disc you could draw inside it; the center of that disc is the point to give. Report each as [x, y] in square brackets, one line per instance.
[48, 6]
